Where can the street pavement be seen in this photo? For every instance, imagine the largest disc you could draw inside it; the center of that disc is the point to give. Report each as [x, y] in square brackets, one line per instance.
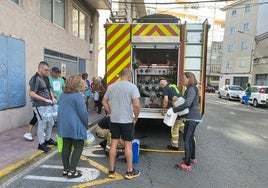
[16, 152]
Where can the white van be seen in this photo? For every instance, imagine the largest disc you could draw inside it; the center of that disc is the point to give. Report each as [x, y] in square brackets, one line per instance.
[259, 96]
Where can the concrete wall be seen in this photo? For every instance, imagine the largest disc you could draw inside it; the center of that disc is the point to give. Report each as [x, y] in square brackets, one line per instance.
[24, 22]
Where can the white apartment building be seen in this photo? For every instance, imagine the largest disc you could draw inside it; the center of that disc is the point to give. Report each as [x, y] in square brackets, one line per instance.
[239, 42]
[260, 56]
[198, 12]
[62, 32]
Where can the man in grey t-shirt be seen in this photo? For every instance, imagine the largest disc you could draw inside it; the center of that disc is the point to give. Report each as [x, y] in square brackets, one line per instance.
[43, 100]
[121, 101]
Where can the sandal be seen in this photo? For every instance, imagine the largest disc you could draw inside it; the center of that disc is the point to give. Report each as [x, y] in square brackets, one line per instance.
[65, 172]
[74, 174]
[185, 167]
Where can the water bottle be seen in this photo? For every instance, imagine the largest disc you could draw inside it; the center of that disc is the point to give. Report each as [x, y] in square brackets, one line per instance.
[55, 111]
[90, 138]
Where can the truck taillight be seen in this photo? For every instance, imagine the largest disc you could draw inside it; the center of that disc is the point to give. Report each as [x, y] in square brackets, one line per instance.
[262, 90]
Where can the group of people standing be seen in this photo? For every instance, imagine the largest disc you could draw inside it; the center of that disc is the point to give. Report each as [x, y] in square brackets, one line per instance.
[94, 92]
[49, 89]
[121, 102]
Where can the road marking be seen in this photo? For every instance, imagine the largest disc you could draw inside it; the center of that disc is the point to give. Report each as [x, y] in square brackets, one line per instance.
[100, 181]
[89, 152]
[31, 167]
[89, 174]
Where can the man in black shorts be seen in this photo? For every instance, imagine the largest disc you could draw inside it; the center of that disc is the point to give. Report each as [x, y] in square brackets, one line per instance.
[121, 101]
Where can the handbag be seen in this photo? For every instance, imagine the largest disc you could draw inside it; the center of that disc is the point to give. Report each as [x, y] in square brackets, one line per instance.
[245, 98]
[88, 92]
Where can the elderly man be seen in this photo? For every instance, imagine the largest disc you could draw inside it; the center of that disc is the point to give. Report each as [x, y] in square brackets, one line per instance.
[169, 91]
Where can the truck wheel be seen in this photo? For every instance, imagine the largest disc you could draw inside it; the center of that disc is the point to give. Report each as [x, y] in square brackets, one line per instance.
[219, 95]
[255, 103]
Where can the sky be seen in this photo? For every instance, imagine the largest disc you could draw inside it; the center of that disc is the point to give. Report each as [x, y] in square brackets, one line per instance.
[207, 13]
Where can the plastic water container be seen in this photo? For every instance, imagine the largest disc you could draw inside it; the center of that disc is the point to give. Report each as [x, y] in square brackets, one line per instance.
[170, 117]
[135, 150]
[179, 102]
[55, 111]
[90, 138]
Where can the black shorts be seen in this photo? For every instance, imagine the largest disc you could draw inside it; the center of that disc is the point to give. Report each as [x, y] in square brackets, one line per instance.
[126, 131]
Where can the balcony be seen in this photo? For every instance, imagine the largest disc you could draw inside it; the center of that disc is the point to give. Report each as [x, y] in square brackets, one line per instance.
[100, 4]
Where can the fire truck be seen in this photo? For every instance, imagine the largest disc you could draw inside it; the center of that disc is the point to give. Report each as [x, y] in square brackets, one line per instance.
[156, 47]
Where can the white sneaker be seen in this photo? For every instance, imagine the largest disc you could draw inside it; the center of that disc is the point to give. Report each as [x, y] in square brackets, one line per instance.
[28, 136]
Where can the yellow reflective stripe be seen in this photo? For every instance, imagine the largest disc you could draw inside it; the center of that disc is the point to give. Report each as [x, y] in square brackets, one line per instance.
[175, 87]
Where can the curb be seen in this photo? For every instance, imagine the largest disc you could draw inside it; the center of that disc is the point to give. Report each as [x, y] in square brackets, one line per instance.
[12, 168]
[27, 160]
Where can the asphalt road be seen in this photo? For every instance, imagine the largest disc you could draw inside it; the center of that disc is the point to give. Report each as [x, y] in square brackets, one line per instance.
[232, 150]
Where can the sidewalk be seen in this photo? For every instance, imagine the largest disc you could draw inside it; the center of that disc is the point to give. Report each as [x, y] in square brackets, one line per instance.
[16, 151]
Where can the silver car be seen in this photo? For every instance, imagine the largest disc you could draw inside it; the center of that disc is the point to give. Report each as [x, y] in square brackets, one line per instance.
[230, 92]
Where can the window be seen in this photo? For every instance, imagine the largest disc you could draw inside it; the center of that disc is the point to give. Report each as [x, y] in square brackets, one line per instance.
[15, 1]
[244, 45]
[79, 24]
[232, 30]
[70, 65]
[246, 26]
[230, 48]
[242, 64]
[247, 8]
[234, 12]
[54, 11]
[229, 65]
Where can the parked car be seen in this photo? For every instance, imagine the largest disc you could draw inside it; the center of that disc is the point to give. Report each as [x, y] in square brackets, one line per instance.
[210, 89]
[230, 92]
[259, 96]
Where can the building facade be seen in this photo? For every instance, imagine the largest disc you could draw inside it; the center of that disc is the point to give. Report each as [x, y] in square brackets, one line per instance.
[62, 32]
[260, 58]
[198, 12]
[214, 66]
[239, 42]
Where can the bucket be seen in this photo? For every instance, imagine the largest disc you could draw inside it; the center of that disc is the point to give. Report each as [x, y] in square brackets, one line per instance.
[135, 150]
[60, 144]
